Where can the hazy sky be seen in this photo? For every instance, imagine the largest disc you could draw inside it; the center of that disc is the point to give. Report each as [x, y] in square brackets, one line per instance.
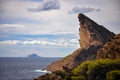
[50, 27]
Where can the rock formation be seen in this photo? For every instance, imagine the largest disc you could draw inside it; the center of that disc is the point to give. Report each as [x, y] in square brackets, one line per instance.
[91, 33]
[111, 49]
[92, 38]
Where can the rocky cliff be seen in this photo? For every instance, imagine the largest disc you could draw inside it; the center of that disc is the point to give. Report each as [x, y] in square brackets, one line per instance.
[92, 38]
[91, 33]
[111, 49]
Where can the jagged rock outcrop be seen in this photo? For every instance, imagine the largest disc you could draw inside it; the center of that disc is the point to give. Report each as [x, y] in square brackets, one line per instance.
[111, 49]
[91, 33]
[92, 38]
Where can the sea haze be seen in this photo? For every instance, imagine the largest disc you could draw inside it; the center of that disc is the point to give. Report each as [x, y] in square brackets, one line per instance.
[23, 68]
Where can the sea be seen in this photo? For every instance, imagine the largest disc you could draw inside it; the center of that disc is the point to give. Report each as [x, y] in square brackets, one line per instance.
[12, 68]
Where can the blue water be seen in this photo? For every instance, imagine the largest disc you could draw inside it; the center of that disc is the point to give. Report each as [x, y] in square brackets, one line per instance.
[23, 68]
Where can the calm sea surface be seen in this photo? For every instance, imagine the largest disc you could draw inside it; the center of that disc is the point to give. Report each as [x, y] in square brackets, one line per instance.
[23, 68]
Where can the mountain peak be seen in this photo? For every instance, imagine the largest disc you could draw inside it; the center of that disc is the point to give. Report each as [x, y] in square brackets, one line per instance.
[91, 33]
[83, 19]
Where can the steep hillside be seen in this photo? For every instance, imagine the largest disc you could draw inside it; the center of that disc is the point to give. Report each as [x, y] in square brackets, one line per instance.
[111, 49]
[92, 38]
[72, 61]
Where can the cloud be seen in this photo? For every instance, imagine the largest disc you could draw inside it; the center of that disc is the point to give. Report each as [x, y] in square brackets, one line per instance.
[11, 42]
[34, 0]
[82, 10]
[46, 6]
[2, 11]
[74, 41]
[11, 25]
[11, 28]
[59, 42]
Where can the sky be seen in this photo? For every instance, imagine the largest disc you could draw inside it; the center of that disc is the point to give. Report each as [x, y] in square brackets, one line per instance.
[50, 28]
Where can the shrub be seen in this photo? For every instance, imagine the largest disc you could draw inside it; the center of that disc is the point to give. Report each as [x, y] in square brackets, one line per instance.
[93, 70]
[78, 78]
[81, 71]
[82, 68]
[98, 69]
[67, 76]
[113, 75]
[59, 73]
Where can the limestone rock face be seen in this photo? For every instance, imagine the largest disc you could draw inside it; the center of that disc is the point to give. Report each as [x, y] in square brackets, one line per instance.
[92, 38]
[111, 49]
[92, 33]
[78, 56]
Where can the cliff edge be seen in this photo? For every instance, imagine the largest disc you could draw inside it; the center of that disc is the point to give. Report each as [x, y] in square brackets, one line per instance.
[92, 33]
[92, 38]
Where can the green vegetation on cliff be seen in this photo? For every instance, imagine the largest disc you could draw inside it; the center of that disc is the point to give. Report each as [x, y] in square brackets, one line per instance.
[104, 69]
[113, 75]
[96, 70]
